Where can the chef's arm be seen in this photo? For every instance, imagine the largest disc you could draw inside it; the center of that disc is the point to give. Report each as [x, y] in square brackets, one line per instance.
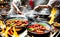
[41, 6]
[44, 6]
[49, 5]
[14, 5]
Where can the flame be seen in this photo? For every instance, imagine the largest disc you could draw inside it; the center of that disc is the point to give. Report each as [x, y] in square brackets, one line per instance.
[15, 33]
[3, 30]
[1, 23]
[1, 0]
[6, 32]
[53, 13]
[32, 36]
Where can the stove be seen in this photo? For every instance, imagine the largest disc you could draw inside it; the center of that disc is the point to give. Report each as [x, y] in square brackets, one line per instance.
[52, 34]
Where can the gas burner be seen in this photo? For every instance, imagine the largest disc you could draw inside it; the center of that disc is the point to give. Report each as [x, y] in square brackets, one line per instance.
[57, 34]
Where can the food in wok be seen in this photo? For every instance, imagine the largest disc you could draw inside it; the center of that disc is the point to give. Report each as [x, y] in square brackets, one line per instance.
[38, 28]
[16, 22]
[56, 25]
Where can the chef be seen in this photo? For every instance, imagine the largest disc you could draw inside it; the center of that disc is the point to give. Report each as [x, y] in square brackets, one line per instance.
[45, 4]
[14, 7]
[51, 4]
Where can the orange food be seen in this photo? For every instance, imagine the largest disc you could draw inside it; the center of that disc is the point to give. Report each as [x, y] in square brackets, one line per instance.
[37, 28]
[16, 22]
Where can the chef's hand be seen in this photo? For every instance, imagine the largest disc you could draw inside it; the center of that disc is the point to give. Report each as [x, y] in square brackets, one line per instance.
[19, 12]
[37, 8]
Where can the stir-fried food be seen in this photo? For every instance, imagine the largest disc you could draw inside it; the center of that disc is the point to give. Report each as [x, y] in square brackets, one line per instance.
[16, 22]
[56, 24]
[37, 28]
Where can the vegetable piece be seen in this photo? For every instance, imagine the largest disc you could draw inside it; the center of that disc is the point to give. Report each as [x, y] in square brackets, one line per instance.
[42, 24]
[31, 29]
[26, 22]
[11, 24]
[39, 31]
[42, 28]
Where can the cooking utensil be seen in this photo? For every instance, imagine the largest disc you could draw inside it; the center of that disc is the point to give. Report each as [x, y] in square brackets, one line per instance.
[40, 35]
